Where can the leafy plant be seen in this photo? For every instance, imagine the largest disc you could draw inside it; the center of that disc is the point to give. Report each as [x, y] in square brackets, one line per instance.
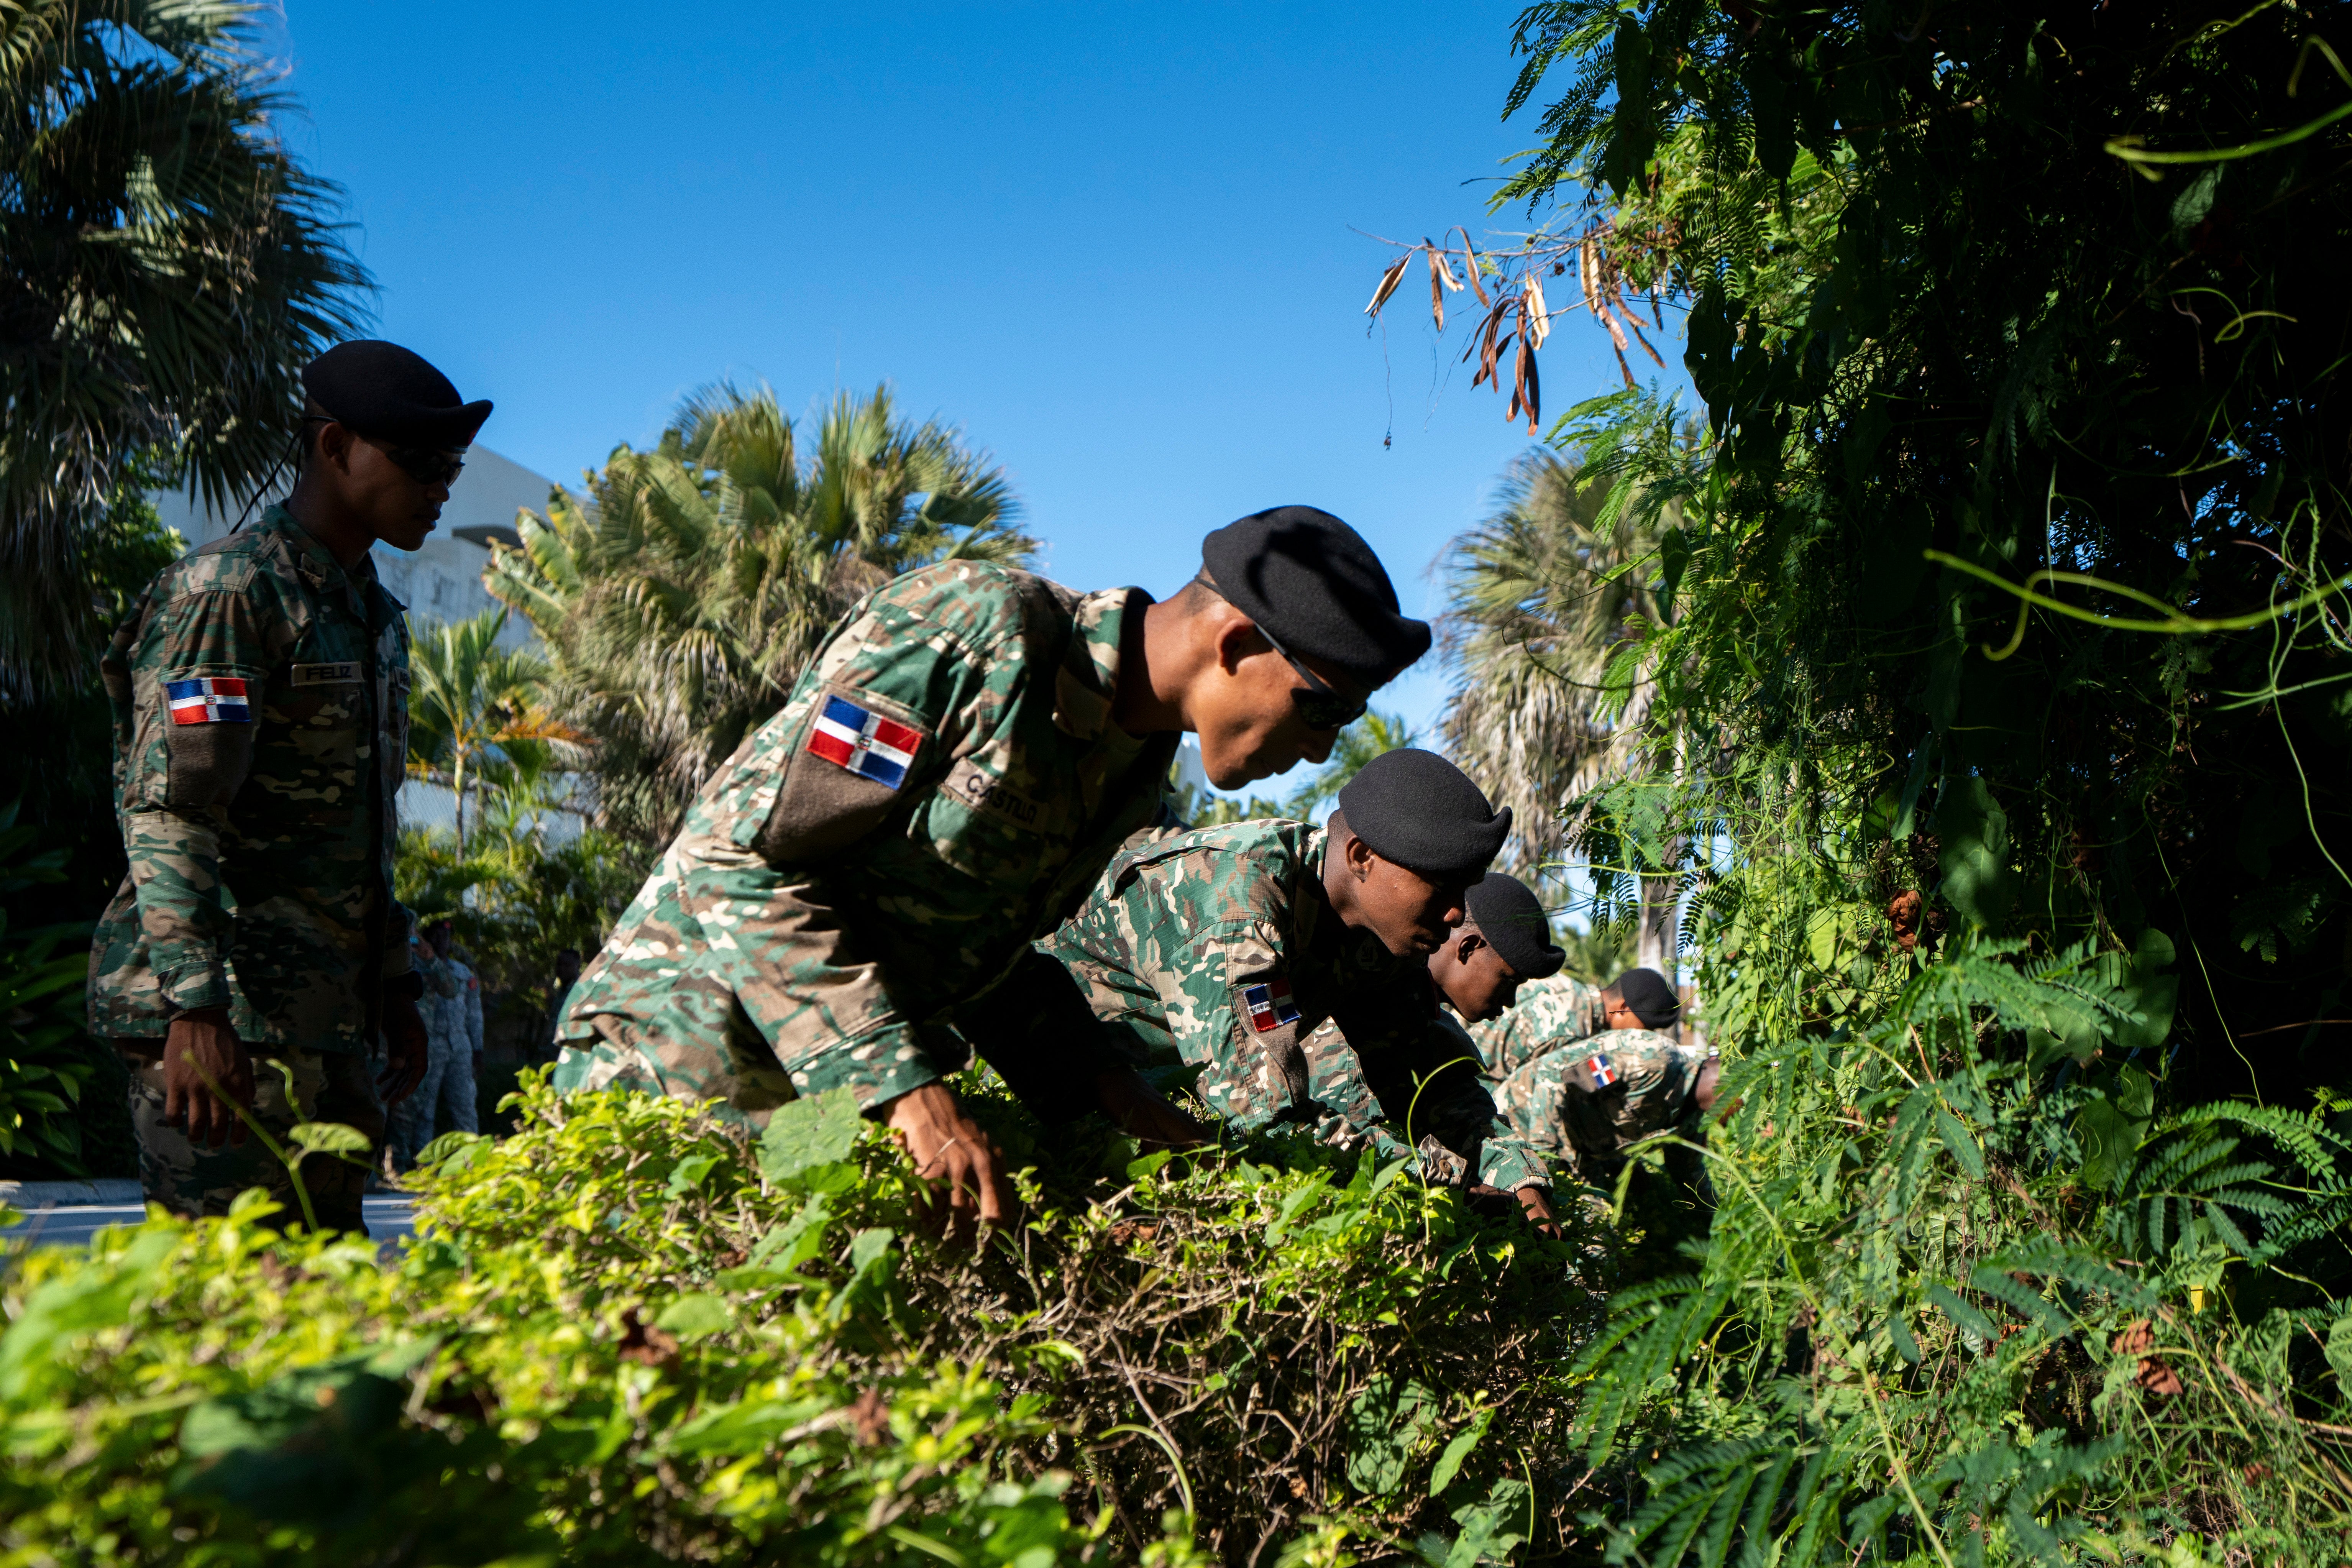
[41, 1072]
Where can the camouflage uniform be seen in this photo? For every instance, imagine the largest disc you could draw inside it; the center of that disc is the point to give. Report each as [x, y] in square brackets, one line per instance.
[1591, 1099]
[1547, 1013]
[260, 701]
[444, 1101]
[943, 787]
[1217, 946]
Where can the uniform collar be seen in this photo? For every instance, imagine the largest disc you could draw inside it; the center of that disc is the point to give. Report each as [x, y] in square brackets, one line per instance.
[318, 564]
[1088, 678]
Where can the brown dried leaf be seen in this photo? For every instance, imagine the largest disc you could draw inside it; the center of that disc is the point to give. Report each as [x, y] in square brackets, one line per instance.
[1534, 389]
[1630, 318]
[1437, 294]
[1437, 258]
[1538, 313]
[1387, 284]
[1470, 264]
[645, 1344]
[2138, 1339]
[2156, 1377]
[871, 1417]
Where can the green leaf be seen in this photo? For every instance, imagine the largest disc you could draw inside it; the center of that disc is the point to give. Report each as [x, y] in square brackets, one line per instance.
[328, 1138]
[2339, 1352]
[454, 1149]
[1487, 1535]
[1948, 1301]
[1974, 858]
[78, 1304]
[1138, 1169]
[695, 1317]
[2112, 1125]
[689, 1173]
[1956, 1137]
[1387, 1425]
[1449, 1463]
[809, 1133]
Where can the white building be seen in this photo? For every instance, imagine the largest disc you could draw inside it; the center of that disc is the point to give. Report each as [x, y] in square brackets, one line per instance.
[443, 580]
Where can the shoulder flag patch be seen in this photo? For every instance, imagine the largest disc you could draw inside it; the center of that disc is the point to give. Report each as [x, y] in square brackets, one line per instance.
[212, 700]
[1269, 1004]
[1603, 1075]
[864, 743]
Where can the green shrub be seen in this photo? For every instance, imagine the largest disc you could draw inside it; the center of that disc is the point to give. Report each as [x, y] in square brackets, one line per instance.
[631, 1331]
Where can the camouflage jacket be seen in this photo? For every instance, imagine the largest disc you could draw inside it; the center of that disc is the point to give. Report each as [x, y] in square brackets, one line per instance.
[1547, 1013]
[440, 1004]
[943, 786]
[1590, 1102]
[260, 701]
[1219, 946]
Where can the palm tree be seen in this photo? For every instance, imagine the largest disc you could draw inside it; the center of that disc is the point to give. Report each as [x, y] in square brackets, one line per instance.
[681, 598]
[166, 269]
[1552, 596]
[473, 705]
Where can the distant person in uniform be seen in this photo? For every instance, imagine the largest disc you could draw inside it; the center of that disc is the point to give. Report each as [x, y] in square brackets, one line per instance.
[259, 691]
[444, 1100]
[967, 749]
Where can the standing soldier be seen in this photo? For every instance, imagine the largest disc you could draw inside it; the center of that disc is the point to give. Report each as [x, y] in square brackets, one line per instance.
[1290, 963]
[444, 1101]
[966, 752]
[260, 697]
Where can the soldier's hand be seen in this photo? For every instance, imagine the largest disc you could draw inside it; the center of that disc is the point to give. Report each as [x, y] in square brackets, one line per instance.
[1536, 1202]
[406, 1049]
[949, 1146]
[1145, 1114]
[200, 1045]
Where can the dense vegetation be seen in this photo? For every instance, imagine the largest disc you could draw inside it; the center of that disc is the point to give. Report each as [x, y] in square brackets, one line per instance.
[633, 1332]
[1994, 693]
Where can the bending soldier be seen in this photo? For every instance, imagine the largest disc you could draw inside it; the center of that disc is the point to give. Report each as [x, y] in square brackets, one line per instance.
[1288, 962]
[259, 691]
[966, 752]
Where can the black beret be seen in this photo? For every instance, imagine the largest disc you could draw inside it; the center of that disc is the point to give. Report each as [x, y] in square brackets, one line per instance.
[1419, 810]
[1312, 581]
[1511, 918]
[383, 390]
[1653, 1000]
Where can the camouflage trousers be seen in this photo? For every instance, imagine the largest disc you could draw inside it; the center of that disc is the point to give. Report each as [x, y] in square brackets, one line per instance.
[445, 1099]
[742, 1073]
[329, 1086]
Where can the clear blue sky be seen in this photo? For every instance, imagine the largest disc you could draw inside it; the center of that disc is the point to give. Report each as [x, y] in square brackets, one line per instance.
[1112, 244]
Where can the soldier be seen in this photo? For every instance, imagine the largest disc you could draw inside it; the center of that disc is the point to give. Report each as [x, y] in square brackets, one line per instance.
[444, 1101]
[1501, 951]
[965, 752]
[1289, 963]
[260, 691]
[1587, 1096]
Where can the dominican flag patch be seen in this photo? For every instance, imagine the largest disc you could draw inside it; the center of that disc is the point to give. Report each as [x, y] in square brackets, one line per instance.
[1603, 1075]
[1270, 1007]
[864, 743]
[213, 699]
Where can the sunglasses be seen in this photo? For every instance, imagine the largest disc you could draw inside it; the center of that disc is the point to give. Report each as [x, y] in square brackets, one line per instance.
[1317, 704]
[426, 465]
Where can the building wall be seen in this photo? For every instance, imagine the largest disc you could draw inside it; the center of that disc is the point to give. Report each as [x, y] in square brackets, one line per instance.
[442, 581]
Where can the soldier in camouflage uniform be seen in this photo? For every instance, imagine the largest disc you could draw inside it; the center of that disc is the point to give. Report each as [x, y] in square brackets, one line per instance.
[1588, 1094]
[444, 1101]
[259, 691]
[1289, 963]
[966, 751]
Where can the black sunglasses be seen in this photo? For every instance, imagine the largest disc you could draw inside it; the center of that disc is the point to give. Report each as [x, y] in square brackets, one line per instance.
[1321, 707]
[426, 465]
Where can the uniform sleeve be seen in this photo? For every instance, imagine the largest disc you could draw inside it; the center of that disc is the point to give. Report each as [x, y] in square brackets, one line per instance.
[1419, 1079]
[756, 887]
[203, 662]
[474, 1012]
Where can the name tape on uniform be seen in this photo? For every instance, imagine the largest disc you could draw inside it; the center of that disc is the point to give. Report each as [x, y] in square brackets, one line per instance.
[344, 674]
[864, 742]
[1269, 1004]
[208, 700]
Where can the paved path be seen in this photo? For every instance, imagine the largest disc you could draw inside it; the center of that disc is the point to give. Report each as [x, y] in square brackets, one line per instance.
[62, 1213]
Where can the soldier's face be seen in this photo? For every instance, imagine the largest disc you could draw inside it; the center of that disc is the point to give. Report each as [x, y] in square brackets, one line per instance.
[387, 500]
[1246, 708]
[1410, 913]
[1474, 976]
